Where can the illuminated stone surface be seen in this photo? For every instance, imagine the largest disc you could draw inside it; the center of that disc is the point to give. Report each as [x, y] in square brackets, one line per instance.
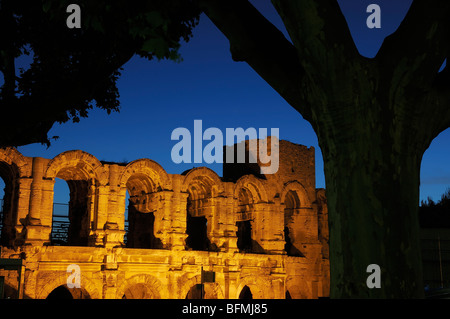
[263, 236]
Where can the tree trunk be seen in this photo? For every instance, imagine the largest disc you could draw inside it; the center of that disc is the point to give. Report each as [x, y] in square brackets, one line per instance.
[374, 119]
[373, 197]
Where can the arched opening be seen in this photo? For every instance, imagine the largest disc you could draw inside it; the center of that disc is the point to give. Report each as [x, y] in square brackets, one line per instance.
[142, 205]
[60, 292]
[83, 174]
[8, 202]
[81, 192]
[71, 219]
[196, 292]
[63, 292]
[291, 206]
[196, 228]
[246, 293]
[198, 205]
[60, 216]
[244, 218]
[138, 291]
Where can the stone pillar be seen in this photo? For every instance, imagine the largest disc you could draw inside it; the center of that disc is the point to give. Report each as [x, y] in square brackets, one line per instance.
[175, 207]
[47, 207]
[108, 221]
[118, 205]
[102, 215]
[212, 215]
[278, 288]
[115, 206]
[178, 233]
[224, 234]
[110, 273]
[227, 208]
[23, 205]
[115, 225]
[271, 225]
[33, 227]
[260, 228]
[36, 189]
[305, 231]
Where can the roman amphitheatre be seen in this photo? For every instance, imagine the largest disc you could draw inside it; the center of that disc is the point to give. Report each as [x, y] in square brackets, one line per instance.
[176, 236]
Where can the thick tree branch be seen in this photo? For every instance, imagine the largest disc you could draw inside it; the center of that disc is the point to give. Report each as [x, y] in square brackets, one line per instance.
[320, 33]
[441, 105]
[438, 106]
[420, 43]
[258, 42]
[443, 78]
[433, 111]
[333, 65]
[444, 98]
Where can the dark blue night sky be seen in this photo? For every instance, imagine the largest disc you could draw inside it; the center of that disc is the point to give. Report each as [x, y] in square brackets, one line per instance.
[157, 97]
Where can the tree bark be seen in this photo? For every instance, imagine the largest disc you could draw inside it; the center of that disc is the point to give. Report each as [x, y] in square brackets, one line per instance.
[373, 198]
[374, 119]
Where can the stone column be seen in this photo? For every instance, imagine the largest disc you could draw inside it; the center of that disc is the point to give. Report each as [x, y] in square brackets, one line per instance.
[305, 232]
[226, 205]
[23, 205]
[33, 226]
[260, 224]
[116, 211]
[178, 228]
[272, 226]
[36, 189]
[225, 229]
[46, 215]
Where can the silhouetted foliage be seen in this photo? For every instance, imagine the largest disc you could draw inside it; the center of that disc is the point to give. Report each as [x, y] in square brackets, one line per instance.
[435, 215]
[74, 70]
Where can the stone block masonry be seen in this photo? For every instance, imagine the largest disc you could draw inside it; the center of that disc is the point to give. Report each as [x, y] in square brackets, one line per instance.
[263, 236]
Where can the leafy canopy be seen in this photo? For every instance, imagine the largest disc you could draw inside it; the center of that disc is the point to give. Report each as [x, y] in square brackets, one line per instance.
[74, 70]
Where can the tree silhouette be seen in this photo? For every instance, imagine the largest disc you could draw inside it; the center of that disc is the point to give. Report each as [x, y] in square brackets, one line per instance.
[435, 215]
[374, 119]
[74, 70]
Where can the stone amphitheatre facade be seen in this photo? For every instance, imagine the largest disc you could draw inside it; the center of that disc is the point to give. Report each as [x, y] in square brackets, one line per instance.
[263, 236]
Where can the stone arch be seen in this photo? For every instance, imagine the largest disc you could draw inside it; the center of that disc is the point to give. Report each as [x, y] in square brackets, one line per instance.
[298, 218]
[202, 186]
[292, 200]
[254, 185]
[84, 173]
[294, 292]
[259, 286]
[13, 157]
[300, 191]
[246, 293]
[205, 175]
[144, 180]
[250, 200]
[291, 211]
[146, 168]
[13, 166]
[297, 288]
[76, 165]
[212, 290]
[187, 284]
[54, 280]
[143, 285]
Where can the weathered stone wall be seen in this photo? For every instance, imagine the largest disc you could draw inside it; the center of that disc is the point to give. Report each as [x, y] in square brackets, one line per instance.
[178, 224]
